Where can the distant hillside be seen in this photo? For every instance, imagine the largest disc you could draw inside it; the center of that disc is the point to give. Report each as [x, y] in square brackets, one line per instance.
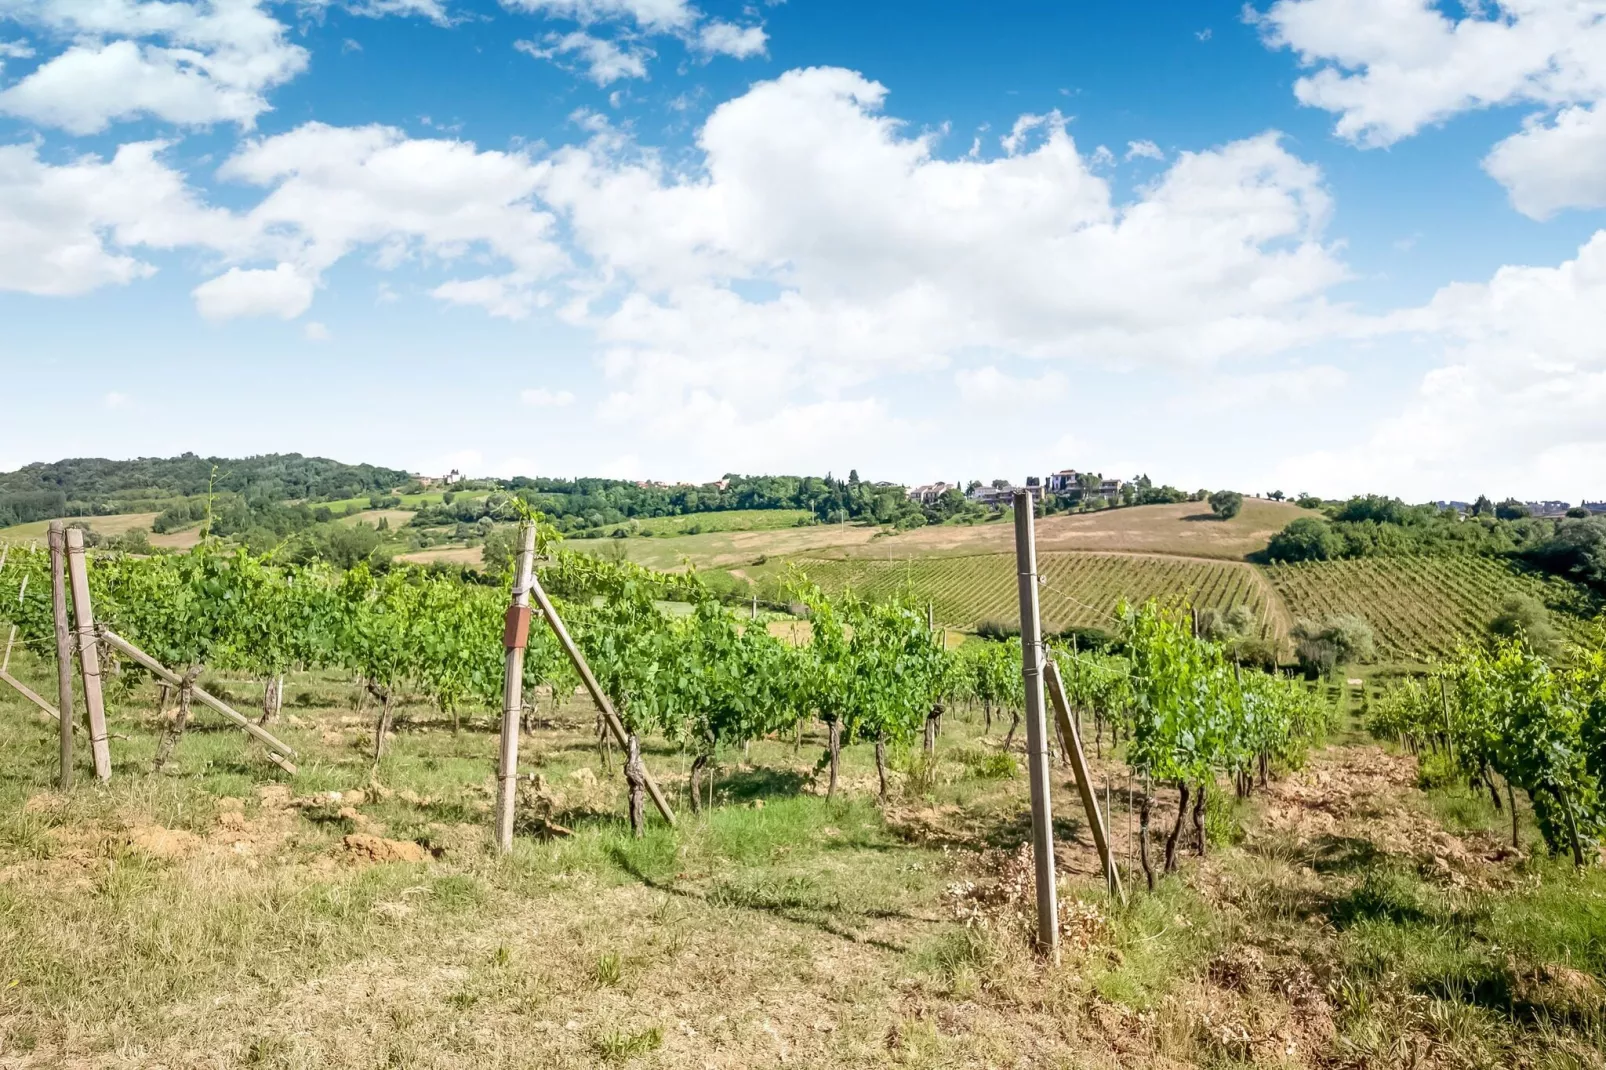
[1188, 529]
[88, 486]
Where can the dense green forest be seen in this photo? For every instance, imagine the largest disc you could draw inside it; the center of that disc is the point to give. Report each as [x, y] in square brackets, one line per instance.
[87, 486]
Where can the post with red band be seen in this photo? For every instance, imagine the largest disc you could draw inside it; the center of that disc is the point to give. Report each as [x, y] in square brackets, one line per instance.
[515, 637]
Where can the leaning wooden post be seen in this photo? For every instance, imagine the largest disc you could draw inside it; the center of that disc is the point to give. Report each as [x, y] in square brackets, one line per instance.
[88, 654]
[1084, 779]
[515, 637]
[1031, 645]
[609, 717]
[58, 603]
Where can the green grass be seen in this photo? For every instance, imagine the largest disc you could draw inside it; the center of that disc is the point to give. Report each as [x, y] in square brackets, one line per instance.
[699, 523]
[777, 921]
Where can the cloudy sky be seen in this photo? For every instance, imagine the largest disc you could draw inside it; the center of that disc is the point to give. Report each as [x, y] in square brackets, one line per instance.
[1324, 245]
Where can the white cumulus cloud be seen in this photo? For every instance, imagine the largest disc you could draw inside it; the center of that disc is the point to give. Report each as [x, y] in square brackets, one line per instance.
[1516, 400]
[871, 253]
[279, 291]
[1146, 150]
[73, 227]
[1556, 164]
[193, 64]
[605, 61]
[718, 38]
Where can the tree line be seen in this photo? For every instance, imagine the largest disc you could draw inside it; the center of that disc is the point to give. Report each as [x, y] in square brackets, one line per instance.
[1572, 546]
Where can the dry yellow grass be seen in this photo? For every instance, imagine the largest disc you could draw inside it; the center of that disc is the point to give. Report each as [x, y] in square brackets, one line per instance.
[451, 555]
[108, 525]
[1186, 530]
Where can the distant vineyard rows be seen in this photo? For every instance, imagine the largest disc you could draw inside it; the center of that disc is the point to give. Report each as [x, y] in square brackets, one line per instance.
[1081, 589]
[1420, 606]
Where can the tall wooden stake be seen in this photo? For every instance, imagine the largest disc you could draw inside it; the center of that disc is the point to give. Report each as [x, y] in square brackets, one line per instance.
[58, 603]
[88, 654]
[1048, 930]
[515, 638]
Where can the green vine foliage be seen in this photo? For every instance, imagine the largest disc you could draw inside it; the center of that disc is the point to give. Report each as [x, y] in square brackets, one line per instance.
[1507, 709]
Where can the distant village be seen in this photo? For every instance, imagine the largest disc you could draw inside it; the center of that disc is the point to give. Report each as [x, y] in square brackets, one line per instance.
[1068, 485]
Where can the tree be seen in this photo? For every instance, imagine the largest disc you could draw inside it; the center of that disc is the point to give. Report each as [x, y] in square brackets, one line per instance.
[1276, 495]
[1577, 551]
[1226, 504]
[1309, 538]
[1483, 506]
[1511, 509]
[1341, 639]
[1524, 619]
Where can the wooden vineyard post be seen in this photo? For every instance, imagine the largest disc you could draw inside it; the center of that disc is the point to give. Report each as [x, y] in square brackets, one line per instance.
[58, 604]
[615, 727]
[88, 655]
[1031, 645]
[1084, 779]
[515, 637]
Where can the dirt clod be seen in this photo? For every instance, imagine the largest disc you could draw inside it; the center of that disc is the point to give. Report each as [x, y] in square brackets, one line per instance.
[362, 848]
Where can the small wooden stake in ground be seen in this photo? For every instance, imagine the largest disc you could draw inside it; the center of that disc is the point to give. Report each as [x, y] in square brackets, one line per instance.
[1048, 930]
[615, 727]
[515, 637]
[58, 604]
[1084, 779]
[88, 654]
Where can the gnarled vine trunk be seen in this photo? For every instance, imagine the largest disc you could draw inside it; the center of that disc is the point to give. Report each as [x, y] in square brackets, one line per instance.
[386, 697]
[1511, 801]
[833, 744]
[1144, 808]
[272, 699]
[698, 764]
[1199, 818]
[881, 763]
[1176, 827]
[173, 730]
[636, 777]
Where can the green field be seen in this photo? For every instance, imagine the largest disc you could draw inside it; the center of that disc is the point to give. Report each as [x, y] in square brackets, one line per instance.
[411, 502]
[1421, 607]
[725, 520]
[1079, 589]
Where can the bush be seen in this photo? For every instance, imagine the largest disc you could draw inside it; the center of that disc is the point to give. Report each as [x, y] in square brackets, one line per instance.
[1341, 639]
[1523, 617]
[1310, 538]
[996, 630]
[984, 763]
[1226, 503]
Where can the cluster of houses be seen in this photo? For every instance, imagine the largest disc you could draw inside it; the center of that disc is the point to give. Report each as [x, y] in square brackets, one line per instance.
[1544, 508]
[1067, 484]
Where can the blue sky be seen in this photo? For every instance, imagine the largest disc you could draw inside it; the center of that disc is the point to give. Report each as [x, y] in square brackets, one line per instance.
[1325, 245]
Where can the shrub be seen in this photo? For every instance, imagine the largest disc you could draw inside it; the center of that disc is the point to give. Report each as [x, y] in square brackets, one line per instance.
[984, 763]
[996, 630]
[1310, 538]
[1339, 640]
[1522, 617]
[1226, 503]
